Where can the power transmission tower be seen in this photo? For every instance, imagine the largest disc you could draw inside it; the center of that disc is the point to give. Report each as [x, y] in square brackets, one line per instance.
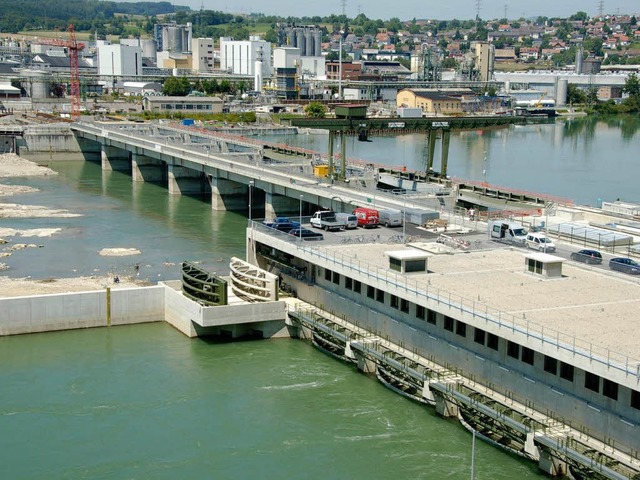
[600, 8]
[344, 7]
[478, 5]
[505, 11]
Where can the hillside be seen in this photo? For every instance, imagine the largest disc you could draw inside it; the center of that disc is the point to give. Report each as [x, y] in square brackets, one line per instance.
[86, 14]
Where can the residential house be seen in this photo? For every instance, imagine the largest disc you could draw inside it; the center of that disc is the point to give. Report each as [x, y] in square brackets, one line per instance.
[528, 53]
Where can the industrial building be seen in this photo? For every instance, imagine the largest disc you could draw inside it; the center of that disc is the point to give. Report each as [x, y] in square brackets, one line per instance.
[240, 57]
[307, 38]
[430, 101]
[119, 59]
[202, 58]
[183, 104]
[173, 38]
[485, 55]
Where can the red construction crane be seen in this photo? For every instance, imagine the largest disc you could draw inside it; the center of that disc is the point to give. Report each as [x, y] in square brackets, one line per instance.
[73, 47]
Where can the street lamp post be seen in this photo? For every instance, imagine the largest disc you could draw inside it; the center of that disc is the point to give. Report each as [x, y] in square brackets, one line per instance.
[251, 183]
[404, 219]
[300, 218]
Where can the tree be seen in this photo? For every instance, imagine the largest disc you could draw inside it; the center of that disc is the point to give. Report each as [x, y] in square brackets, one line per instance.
[176, 87]
[592, 96]
[632, 86]
[270, 36]
[449, 62]
[315, 110]
[579, 16]
[575, 95]
[593, 45]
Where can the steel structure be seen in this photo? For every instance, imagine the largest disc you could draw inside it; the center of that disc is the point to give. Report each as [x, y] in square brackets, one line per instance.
[73, 48]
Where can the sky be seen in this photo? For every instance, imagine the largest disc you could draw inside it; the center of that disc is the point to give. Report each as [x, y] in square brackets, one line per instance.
[408, 9]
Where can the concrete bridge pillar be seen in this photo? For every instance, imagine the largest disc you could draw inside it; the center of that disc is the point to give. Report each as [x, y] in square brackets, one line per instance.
[551, 465]
[276, 205]
[184, 181]
[431, 151]
[445, 408]
[146, 169]
[228, 195]
[364, 364]
[114, 158]
[444, 154]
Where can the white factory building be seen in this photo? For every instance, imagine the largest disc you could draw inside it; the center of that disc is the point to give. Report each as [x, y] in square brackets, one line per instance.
[240, 57]
[119, 60]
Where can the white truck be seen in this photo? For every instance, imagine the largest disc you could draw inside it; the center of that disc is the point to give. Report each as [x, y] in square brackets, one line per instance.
[507, 231]
[327, 220]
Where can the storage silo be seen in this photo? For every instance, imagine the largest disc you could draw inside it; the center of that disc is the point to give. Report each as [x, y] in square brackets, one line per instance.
[175, 39]
[579, 53]
[300, 42]
[257, 79]
[562, 87]
[149, 49]
[317, 43]
[308, 40]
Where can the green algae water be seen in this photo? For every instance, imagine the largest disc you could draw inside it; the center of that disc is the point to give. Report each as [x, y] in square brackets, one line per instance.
[143, 401]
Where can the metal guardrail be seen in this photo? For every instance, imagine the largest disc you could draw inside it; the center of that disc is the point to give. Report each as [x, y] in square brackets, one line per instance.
[490, 316]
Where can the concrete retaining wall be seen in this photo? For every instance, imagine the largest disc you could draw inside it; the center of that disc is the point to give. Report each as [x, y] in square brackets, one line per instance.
[56, 142]
[179, 311]
[68, 311]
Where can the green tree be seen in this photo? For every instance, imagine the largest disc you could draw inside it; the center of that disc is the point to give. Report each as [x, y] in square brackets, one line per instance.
[270, 36]
[575, 95]
[449, 62]
[592, 96]
[579, 16]
[632, 86]
[176, 87]
[593, 45]
[315, 110]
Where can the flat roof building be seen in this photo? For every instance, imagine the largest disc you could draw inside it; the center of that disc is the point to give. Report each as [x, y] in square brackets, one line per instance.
[183, 104]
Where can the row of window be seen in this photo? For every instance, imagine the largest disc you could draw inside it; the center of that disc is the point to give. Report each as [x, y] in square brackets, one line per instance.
[188, 106]
[514, 350]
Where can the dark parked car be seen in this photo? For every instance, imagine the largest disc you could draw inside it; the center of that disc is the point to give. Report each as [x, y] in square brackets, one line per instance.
[306, 234]
[282, 224]
[592, 257]
[625, 265]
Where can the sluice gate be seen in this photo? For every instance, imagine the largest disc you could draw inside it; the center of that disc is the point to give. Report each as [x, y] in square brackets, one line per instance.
[559, 448]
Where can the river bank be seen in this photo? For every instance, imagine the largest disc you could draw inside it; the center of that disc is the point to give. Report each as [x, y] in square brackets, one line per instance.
[13, 166]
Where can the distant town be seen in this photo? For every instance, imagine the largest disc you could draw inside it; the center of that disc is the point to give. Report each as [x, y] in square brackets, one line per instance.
[224, 63]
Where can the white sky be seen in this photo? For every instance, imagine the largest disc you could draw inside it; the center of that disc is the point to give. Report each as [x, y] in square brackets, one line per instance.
[408, 9]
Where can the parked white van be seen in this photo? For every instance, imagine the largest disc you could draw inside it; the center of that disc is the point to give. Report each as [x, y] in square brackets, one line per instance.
[390, 218]
[540, 242]
[507, 231]
[349, 219]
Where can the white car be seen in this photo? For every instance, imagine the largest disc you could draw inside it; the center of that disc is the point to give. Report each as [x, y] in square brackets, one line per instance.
[540, 242]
